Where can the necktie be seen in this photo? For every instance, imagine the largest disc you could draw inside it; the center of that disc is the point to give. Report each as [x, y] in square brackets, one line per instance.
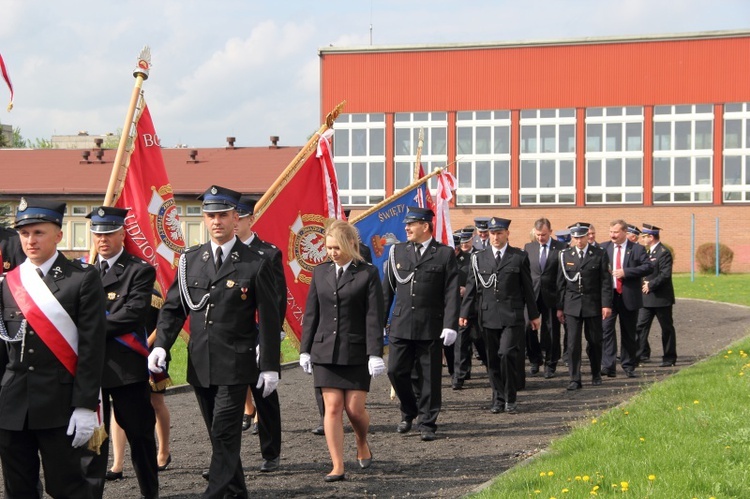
[418, 250]
[339, 273]
[219, 259]
[39, 271]
[498, 257]
[103, 268]
[618, 266]
[543, 257]
[580, 254]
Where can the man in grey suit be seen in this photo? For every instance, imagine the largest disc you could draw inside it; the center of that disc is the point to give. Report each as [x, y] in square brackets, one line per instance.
[629, 263]
[500, 281]
[544, 262]
[422, 279]
[658, 298]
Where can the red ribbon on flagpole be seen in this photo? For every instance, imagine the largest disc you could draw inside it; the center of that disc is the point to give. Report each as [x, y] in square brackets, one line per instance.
[6, 77]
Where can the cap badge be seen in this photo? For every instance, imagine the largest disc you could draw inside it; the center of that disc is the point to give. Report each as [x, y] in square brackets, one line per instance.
[111, 296]
[214, 190]
[23, 205]
[100, 212]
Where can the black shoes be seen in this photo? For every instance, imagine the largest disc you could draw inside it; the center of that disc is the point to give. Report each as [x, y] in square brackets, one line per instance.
[365, 463]
[511, 408]
[404, 426]
[247, 421]
[457, 384]
[165, 465]
[113, 475]
[596, 380]
[254, 429]
[534, 369]
[428, 435]
[668, 363]
[270, 465]
[319, 430]
[549, 373]
[334, 478]
[630, 373]
[205, 475]
[610, 373]
[574, 385]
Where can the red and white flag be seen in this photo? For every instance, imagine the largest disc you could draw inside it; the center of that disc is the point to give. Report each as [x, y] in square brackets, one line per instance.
[446, 186]
[6, 77]
[294, 219]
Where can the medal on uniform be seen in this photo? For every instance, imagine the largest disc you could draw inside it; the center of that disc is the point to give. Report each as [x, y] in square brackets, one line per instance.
[111, 296]
[235, 256]
[398, 265]
[6, 265]
[244, 293]
[230, 283]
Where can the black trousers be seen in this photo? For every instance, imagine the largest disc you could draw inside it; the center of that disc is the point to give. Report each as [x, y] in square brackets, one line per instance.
[668, 334]
[135, 414]
[593, 331]
[468, 336]
[222, 408]
[269, 422]
[628, 343]
[504, 348]
[543, 346]
[63, 474]
[402, 357]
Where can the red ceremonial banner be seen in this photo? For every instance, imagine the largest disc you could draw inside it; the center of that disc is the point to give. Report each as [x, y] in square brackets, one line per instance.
[6, 77]
[294, 221]
[152, 226]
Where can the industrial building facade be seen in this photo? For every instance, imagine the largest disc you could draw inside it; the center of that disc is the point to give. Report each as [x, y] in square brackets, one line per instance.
[650, 129]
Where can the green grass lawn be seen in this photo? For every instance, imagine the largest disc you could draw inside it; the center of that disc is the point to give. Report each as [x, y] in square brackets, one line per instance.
[728, 288]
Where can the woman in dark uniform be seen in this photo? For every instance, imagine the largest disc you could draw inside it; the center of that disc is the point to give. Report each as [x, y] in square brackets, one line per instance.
[343, 339]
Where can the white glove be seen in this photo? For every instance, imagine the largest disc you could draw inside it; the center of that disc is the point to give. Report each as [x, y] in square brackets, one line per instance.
[257, 355]
[83, 422]
[448, 336]
[270, 379]
[282, 335]
[304, 362]
[376, 366]
[157, 360]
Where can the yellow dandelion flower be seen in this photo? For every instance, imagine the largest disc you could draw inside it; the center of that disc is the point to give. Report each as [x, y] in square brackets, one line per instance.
[729, 351]
[578, 478]
[642, 439]
[586, 478]
[696, 402]
[550, 473]
[596, 487]
[652, 477]
[726, 356]
[593, 421]
[542, 473]
[565, 491]
[741, 373]
[728, 447]
[626, 413]
[593, 493]
[679, 407]
[537, 491]
[614, 485]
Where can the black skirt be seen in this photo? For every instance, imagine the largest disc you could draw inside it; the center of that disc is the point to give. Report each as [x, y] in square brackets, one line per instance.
[355, 377]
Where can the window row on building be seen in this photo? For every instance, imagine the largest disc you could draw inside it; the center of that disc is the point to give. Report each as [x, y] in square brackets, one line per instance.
[681, 154]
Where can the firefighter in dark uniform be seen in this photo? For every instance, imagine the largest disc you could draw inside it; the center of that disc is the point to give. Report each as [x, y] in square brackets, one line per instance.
[220, 285]
[128, 283]
[51, 371]
[482, 239]
[11, 254]
[422, 279]
[584, 299]
[500, 283]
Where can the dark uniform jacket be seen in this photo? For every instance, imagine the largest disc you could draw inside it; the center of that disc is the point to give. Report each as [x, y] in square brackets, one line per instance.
[660, 289]
[428, 303]
[463, 260]
[343, 322]
[502, 304]
[273, 253]
[545, 280]
[11, 253]
[128, 286]
[38, 391]
[635, 265]
[585, 297]
[224, 332]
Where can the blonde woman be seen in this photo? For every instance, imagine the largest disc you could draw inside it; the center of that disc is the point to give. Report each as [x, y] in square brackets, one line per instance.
[342, 341]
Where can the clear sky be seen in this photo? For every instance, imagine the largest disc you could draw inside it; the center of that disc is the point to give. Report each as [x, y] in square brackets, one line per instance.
[250, 68]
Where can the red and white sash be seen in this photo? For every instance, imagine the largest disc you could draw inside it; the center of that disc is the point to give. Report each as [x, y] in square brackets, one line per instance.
[45, 314]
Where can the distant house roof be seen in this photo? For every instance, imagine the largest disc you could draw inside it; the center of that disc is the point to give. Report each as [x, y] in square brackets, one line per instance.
[64, 172]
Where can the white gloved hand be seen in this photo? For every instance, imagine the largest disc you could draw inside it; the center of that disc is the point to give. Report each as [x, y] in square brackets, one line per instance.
[448, 336]
[83, 422]
[376, 366]
[269, 380]
[304, 362]
[157, 360]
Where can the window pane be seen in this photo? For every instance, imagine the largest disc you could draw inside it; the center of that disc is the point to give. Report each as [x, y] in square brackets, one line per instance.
[483, 174]
[464, 139]
[377, 176]
[359, 176]
[377, 118]
[502, 140]
[683, 109]
[502, 174]
[567, 138]
[483, 115]
[502, 115]
[733, 108]
[594, 137]
[464, 115]
[682, 135]
[704, 108]
[193, 234]
[614, 173]
[594, 198]
[614, 198]
[682, 171]
[732, 134]
[633, 172]
[567, 198]
[703, 134]
[547, 138]
[703, 171]
[662, 136]
[566, 174]
[377, 142]
[547, 113]
[662, 197]
[595, 111]
[464, 175]
[403, 141]
[528, 113]
[438, 145]
[633, 197]
[547, 173]
[747, 170]
[483, 140]
[483, 199]
[634, 111]
[528, 173]
[614, 136]
[614, 111]
[594, 173]
[359, 142]
[341, 143]
[732, 170]
[528, 139]
[567, 113]
[403, 175]
[420, 117]
[342, 174]
[359, 118]
[633, 136]
[662, 177]
[662, 109]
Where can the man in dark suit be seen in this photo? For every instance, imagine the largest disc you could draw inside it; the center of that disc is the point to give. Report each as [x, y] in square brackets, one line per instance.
[11, 254]
[482, 238]
[269, 410]
[633, 234]
[52, 371]
[220, 286]
[500, 282]
[629, 263]
[584, 298]
[128, 283]
[658, 298]
[422, 279]
[543, 258]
